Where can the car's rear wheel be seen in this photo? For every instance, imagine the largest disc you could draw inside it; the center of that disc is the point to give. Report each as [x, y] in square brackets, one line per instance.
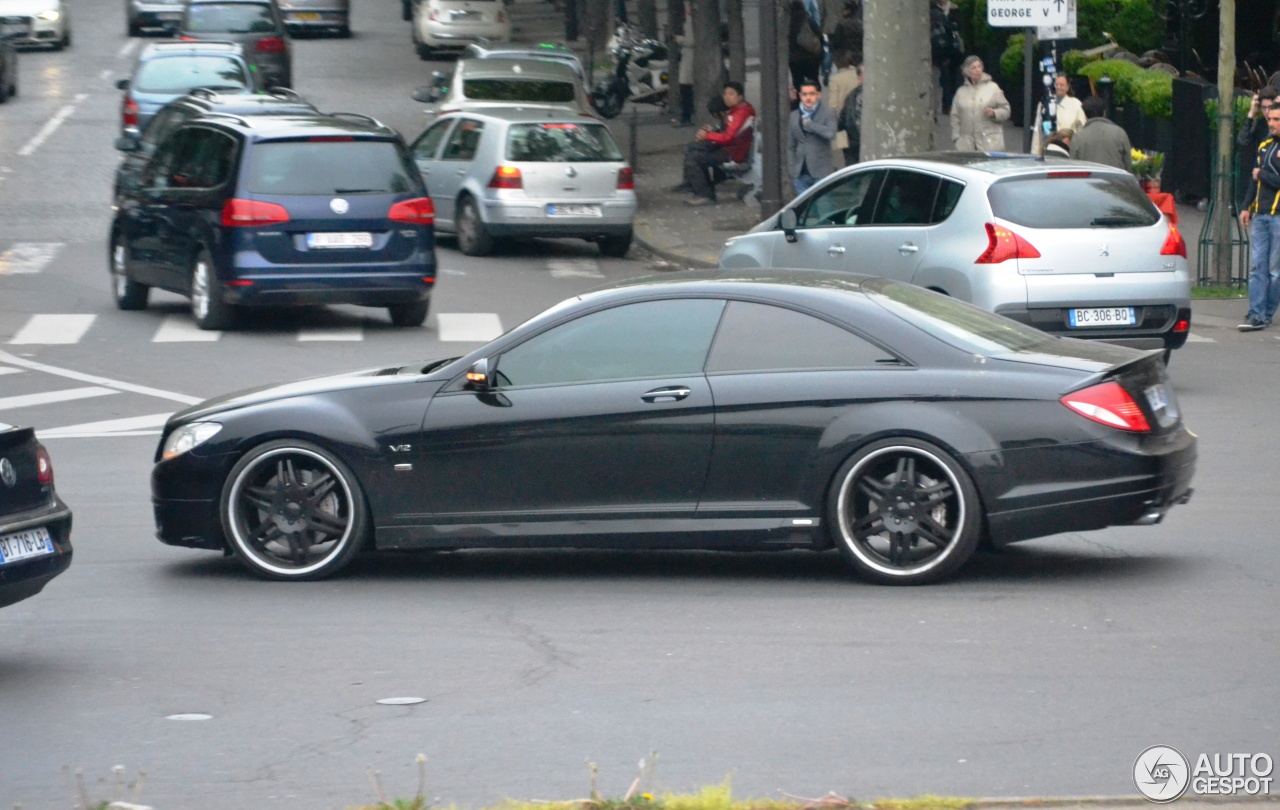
[473, 238]
[414, 314]
[291, 510]
[616, 246]
[128, 293]
[207, 307]
[903, 512]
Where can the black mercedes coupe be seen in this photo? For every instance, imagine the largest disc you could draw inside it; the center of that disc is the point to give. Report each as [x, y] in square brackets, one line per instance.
[732, 410]
[35, 525]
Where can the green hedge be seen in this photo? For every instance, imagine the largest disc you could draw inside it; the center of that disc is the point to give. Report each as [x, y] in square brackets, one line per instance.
[1150, 90]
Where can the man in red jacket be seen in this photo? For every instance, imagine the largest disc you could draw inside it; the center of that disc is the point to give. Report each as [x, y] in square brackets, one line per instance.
[713, 147]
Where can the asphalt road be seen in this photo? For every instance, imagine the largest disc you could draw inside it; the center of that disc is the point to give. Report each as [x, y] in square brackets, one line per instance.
[1045, 669]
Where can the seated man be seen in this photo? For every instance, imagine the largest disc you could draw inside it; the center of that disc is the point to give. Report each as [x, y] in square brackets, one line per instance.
[713, 147]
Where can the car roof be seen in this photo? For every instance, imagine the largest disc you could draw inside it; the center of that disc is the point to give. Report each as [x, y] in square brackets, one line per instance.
[281, 100]
[162, 49]
[523, 114]
[274, 127]
[989, 166]
[504, 68]
[228, 2]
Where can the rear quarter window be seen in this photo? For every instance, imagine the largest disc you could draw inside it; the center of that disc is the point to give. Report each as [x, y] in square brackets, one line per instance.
[179, 74]
[1092, 201]
[552, 142]
[327, 167]
[531, 90]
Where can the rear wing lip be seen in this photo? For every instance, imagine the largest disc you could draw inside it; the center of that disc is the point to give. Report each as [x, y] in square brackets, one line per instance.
[1116, 370]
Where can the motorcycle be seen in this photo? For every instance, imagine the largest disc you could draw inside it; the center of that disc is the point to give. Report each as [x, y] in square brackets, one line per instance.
[639, 73]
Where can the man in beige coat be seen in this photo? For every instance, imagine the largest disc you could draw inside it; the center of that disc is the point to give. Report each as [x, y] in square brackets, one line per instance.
[978, 110]
[843, 82]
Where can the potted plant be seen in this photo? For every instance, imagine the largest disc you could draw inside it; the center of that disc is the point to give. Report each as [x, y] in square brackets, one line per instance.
[1146, 167]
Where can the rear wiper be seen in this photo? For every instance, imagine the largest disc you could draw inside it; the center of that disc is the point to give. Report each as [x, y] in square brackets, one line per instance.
[353, 190]
[1115, 222]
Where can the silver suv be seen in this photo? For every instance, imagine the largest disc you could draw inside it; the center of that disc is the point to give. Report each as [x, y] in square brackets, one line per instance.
[1068, 247]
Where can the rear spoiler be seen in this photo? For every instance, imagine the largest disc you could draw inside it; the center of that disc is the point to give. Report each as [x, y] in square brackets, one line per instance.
[1118, 369]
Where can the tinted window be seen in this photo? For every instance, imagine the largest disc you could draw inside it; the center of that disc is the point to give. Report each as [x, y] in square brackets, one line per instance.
[181, 74]
[164, 123]
[948, 197]
[429, 142]
[1097, 201]
[203, 161]
[517, 90]
[229, 18]
[759, 337]
[464, 141]
[561, 142]
[330, 167]
[907, 198]
[846, 202]
[650, 339]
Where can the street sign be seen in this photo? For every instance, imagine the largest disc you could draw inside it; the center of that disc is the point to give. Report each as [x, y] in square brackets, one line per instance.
[1026, 13]
[1066, 31]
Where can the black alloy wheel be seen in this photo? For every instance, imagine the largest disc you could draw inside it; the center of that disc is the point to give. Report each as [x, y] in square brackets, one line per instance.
[473, 238]
[291, 510]
[904, 512]
[129, 294]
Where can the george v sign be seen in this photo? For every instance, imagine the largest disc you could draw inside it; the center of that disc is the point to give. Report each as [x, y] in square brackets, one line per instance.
[1026, 13]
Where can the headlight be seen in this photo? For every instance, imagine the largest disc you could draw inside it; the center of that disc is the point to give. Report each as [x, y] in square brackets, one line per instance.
[187, 437]
[50, 16]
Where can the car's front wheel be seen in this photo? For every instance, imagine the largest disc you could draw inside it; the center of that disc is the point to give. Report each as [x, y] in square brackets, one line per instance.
[207, 307]
[129, 294]
[291, 510]
[903, 512]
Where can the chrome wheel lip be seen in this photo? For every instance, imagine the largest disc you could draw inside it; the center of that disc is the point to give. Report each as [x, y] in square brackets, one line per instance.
[235, 507]
[876, 563]
[200, 290]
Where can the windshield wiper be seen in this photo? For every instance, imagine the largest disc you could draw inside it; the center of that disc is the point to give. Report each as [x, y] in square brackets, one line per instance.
[1116, 222]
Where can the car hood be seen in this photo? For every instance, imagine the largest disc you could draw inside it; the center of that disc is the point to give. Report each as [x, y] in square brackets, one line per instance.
[26, 8]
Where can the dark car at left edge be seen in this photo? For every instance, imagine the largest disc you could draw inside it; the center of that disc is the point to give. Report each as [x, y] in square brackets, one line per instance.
[35, 525]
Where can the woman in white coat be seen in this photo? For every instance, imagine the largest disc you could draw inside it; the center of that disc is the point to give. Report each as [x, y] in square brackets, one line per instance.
[977, 111]
[1068, 114]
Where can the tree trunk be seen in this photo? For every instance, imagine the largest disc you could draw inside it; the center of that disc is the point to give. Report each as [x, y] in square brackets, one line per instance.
[737, 40]
[897, 115]
[572, 20]
[707, 64]
[1223, 227]
[647, 18]
[595, 24]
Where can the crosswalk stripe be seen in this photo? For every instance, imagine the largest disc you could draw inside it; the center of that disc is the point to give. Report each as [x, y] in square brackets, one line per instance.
[468, 327]
[28, 257]
[9, 370]
[129, 426]
[1194, 338]
[49, 329]
[50, 397]
[574, 268]
[331, 333]
[181, 329]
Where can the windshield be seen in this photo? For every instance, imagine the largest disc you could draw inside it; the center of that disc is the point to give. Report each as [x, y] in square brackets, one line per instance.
[554, 142]
[229, 18]
[955, 322]
[181, 74]
[1073, 201]
[547, 92]
[324, 167]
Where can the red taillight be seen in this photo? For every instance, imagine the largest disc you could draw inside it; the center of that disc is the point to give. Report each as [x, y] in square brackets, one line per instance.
[626, 178]
[240, 282]
[428, 279]
[1071, 173]
[1182, 325]
[1174, 244]
[129, 112]
[44, 467]
[270, 45]
[1003, 244]
[506, 177]
[241, 213]
[185, 38]
[418, 211]
[1108, 404]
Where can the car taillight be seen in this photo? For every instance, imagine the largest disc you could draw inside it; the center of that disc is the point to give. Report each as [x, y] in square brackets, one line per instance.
[44, 467]
[1003, 244]
[626, 178]
[1182, 325]
[185, 38]
[418, 211]
[506, 177]
[241, 213]
[1108, 404]
[129, 112]
[270, 45]
[1174, 244]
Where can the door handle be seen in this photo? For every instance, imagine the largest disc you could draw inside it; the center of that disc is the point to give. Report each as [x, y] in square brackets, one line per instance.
[908, 248]
[461, 172]
[673, 394]
[835, 250]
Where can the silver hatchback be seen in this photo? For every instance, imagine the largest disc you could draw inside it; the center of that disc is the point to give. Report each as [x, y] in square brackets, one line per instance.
[1068, 247]
[526, 172]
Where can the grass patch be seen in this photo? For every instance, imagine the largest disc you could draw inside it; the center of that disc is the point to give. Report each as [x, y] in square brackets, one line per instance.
[1219, 291]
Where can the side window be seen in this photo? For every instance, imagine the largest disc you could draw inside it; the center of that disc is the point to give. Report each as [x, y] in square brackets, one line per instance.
[204, 162]
[760, 337]
[165, 122]
[844, 203]
[907, 198]
[158, 174]
[948, 197]
[464, 141]
[649, 339]
[428, 143]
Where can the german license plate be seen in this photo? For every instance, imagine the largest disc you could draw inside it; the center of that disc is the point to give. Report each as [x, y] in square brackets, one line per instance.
[309, 16]
[342, 239]
[573, 210]
[1102, 316]
[25, 545]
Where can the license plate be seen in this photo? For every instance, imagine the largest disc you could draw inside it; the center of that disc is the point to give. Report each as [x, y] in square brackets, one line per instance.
[14, 30]
[169, 15]
[306, 15]
[25, 545]
[340, 240]
[1102, 316]
[463, 15]
[573, 210]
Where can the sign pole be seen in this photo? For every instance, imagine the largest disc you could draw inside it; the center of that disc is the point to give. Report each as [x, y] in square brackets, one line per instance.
[1027, 118]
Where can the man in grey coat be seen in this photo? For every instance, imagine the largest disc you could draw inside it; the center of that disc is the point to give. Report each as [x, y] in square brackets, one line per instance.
[1101, 140]
[810, 132]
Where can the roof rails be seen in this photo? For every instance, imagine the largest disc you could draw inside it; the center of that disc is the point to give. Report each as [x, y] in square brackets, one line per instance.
[287, 93]
[237, 118]
[359, 116]
[204, 92]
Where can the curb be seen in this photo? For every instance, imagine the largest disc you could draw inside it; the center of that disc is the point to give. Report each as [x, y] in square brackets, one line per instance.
[666, 247]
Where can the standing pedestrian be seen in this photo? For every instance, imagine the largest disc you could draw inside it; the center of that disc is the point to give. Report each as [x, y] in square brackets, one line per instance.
[1254, 132]
[978, 109]
[1068, 114]
[1261, 215]
[685, 76]
[844, 82]
[810, 132]
[946, 48]
[1101, 140]
[804, 45]
[849, 119]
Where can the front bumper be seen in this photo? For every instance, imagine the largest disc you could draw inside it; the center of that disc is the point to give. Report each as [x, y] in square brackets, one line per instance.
[32, 31]
[25, 578]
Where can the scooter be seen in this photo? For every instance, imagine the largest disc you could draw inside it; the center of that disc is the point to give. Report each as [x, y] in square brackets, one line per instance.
[639, 73]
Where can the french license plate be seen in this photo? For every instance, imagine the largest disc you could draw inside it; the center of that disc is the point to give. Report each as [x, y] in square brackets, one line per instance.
[1102, 316]
[573, 210]
[306, 15]
[25, 545]
[342, 239]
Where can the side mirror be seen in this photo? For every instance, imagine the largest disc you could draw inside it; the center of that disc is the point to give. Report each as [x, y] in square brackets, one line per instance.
[122, 84]
[427, 94]
[478, 375]
[128, 142]
[787, 222]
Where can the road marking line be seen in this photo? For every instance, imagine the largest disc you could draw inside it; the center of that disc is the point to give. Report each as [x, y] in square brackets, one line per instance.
[331, 333]
[131, 426]
[468, 327]
[7, 370]
[28, 257]
[574, 268]
[91, 378]
[127, 49]
[181, 329]
[50, 397]
[106, 74]
[1194, 338]
[50, 126]
[50, 329]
